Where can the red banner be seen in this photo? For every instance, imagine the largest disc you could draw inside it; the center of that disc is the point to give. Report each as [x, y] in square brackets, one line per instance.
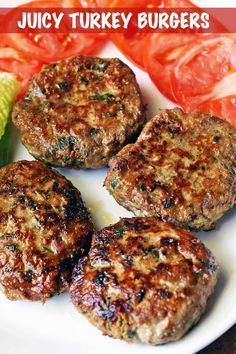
[56, 20]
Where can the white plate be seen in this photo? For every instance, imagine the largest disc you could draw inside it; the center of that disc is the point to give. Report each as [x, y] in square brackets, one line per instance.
[56, 327]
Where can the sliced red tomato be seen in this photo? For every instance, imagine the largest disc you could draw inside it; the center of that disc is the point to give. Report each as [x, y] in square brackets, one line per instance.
[162, 50]
[59, 3]
[49, 47]
[23, 72]
[133, 44]
[220, 101]
[201, 65]
[13, 62]
[33, 45]
[223, 108]
[204, 76]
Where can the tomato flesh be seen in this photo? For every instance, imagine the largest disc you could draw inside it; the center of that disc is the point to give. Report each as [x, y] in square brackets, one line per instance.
[160, 57]
[23, 71]
[201, 65]
[50, 47]
[204, 76]
[133, 44]
[132, 48]
[47, 47]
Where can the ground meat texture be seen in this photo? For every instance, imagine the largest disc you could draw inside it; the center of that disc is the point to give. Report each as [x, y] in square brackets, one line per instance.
[182, 169]
[44, 229]
[144, 280]
[80, 112]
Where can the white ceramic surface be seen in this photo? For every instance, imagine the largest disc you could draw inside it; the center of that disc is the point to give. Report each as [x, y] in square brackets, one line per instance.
[56, 327]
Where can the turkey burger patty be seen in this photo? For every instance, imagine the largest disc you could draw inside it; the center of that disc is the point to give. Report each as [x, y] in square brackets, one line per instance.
[182, 169]
[79, 112]
[44, 228]
[144, 280]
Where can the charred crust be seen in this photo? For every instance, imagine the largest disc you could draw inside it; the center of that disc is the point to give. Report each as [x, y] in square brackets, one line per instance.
[141, 272]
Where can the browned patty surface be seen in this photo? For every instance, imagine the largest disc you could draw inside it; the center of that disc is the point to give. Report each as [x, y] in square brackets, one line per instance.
[182, 169]
[44, 228]
[144, 280]
[80, 112]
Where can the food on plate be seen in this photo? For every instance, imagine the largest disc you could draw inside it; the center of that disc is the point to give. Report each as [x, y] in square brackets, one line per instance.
[144, 280]
[80, 112]
[185, 67]
[44, 229]
[182, 169]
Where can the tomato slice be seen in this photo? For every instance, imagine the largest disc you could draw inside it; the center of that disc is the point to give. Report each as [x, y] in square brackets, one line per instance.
[204, 76]
[202, 64]
[50, 47]
[13, 62]
[223, 108]
[23, 72]
[131, 47]
[33, 45]
[133, 44]
[158, 52]
[220, 101]
[63, 3]
[161, 52]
